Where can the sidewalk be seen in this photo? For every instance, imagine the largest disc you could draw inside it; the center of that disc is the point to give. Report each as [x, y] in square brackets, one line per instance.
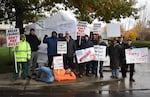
[30, 84]
[141, 76]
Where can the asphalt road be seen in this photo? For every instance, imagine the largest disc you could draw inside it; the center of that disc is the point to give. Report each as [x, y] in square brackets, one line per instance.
[139, 93]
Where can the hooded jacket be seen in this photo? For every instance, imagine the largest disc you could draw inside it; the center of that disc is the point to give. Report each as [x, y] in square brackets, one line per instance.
[52, 45]
[23, 51]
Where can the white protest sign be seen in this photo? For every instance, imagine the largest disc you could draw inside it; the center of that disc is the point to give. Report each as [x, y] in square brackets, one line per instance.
[58, 62]
[61, 47]
[100, 52]
[113, 30]
[136, 55]
[97, 28]
[13, 37]
[85, 55]
[81, 28]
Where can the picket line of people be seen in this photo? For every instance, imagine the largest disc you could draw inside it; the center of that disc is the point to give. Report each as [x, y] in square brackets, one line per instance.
[29, 67]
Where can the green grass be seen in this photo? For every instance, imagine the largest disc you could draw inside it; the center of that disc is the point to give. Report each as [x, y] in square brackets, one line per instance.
[6, 60]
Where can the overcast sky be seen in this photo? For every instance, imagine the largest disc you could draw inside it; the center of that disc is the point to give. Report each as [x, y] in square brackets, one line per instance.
[129, 23]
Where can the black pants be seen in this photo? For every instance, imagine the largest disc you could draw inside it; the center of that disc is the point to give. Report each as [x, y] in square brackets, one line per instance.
[124, 68]
[131, 70]
[50, 61]
[68, 62]
[82, 68]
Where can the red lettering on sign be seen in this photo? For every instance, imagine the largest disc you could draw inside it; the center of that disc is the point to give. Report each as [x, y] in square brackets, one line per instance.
[85, 56]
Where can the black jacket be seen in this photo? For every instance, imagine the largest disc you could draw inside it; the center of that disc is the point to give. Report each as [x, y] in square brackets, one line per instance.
[33, 41]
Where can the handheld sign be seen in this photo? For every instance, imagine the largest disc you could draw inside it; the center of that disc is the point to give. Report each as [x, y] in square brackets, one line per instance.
[97, 28]
[81, 28]
[100, 52]
[136, 55]
[58, 62]
[113, 30]
[61, 47]
[85, 55]
[13, 37]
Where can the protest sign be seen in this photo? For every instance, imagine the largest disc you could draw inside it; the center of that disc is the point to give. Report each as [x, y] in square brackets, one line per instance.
[136, 55]
[61, 47]
[85, 55]
[58, 62]
[100, 52]
[81, 28]
[13, 37]
[113, 30]
[97, 28]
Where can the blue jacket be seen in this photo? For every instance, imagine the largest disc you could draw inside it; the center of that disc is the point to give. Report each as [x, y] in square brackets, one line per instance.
[87, 44]
[52, 45]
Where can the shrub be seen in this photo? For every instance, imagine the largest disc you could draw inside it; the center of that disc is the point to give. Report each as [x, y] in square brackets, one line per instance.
[142, 44]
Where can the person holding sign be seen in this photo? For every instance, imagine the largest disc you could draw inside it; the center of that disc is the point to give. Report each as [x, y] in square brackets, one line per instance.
[71, 47]
[23, 54]
[130, 46]
[52, 47]
[101, 42]
[86, 44]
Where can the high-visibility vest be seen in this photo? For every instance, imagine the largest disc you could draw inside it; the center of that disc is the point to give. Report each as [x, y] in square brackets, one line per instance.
[23, 51]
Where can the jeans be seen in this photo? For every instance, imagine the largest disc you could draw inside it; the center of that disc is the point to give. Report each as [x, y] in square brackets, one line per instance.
[115, 73]
[48, 72]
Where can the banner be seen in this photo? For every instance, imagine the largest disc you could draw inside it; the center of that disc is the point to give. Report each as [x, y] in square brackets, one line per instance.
[85, 55]
[81, 28]
[58, 62]
[113, 30]
[100, 52]
[136, 55]
[13, 37]
[61, 47]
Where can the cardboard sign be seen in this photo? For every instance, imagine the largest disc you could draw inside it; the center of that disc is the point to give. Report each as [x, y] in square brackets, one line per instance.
[100, 52]
[113, 30]
[137, 55]
[85, 55]
[97, 28]
[13, 37]
[81, 29]
[61, 47]
[58, 62]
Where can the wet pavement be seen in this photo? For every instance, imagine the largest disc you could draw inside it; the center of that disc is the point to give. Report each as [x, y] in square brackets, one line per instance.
[85, 87]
